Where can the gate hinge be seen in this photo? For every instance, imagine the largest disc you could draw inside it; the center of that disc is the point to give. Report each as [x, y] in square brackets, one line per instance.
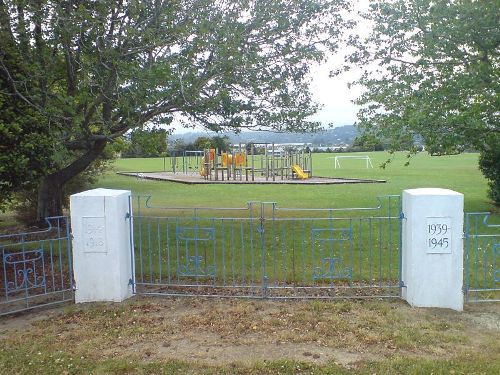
[402, 216]
[127, 215]
[130, 282]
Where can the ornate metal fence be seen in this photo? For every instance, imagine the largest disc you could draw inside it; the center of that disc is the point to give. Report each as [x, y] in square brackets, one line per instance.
[36, 267]
[265, 251]
[482, 258]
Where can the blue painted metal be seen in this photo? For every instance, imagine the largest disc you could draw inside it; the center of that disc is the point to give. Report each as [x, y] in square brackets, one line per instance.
[482, 248]
[335, 262]
[36, 267]
[194, 265]
[128, 216]
[262, 250]
[28, 270]
[496, 269]
[334, 270]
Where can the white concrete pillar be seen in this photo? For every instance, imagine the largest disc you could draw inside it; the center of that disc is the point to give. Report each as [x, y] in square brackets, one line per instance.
[101, 245]
[432, 258]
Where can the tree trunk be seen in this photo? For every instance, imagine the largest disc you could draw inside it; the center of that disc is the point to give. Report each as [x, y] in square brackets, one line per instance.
[50, 198]
[51, 189]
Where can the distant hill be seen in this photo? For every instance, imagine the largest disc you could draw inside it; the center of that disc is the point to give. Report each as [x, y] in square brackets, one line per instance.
[335, 136]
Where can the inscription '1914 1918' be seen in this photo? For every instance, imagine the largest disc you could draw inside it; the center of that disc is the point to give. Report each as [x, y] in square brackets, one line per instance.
[94, 234]
[438, 235]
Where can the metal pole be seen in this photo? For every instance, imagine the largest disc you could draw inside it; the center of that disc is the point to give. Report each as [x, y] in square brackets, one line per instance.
[272, 163]
[216, 162]
[253, 163]
[241, 165]
[233, 164]
[266, 163]
[310, 164]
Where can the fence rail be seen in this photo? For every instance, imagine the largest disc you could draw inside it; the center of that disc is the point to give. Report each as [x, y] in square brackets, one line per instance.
[260, 250]
[264, 251]
[482, 258]
[36, 267]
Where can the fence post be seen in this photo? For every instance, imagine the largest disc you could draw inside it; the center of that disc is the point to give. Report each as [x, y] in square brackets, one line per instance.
[101, 245]
[432, 253]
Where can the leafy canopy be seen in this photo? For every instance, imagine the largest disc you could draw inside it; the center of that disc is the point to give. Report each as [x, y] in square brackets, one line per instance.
[437, 73]
[146, 143]
[25, 153]
[92, 70]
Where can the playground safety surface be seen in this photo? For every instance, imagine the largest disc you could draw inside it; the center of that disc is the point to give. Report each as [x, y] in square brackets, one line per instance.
[197, 179]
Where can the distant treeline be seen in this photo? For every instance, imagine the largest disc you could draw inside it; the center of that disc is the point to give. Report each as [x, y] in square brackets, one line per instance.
[334, 136]
[157, 142]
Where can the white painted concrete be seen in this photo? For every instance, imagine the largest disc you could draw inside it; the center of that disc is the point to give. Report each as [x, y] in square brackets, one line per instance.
[432, 269]
[101, 245]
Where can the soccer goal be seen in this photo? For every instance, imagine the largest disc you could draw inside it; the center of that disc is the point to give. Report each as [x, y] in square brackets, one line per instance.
[366, 158]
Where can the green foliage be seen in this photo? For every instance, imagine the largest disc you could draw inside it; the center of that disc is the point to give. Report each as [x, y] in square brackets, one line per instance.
[146, 143]
[220, 143]
[217, 142]
[91, 71]
[202, 143]
[434, 73]
[367, 142]
[24, 201]
[25, 149]
[489, 163]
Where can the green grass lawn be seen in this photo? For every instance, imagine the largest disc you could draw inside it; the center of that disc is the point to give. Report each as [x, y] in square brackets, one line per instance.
[287, 251]
[211, 336]
[290, 252]
[457, 172]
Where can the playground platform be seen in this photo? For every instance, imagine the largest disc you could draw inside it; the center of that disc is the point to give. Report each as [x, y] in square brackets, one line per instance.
[195, 179]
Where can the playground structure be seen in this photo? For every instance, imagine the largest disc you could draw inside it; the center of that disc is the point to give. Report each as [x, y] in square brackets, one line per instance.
[262, 161]
[186, 163]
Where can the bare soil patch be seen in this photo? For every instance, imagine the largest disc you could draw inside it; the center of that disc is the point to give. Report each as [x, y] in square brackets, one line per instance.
[225, 331]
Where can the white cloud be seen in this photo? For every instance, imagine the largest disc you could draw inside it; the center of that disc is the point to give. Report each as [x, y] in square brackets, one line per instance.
[332, 92]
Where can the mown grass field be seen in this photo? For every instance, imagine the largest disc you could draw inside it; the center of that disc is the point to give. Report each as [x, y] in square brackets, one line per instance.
[457, 172]
[231, 336]
[288, 252]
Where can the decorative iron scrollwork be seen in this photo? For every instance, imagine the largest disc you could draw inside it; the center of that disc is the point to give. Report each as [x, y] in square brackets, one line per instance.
[194, 268]
[195, 265]
[334, 270]
[26, 270]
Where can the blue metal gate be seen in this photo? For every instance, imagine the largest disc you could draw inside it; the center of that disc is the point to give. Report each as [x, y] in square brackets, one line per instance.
[36, 267]
[265, 251]
[482, 258]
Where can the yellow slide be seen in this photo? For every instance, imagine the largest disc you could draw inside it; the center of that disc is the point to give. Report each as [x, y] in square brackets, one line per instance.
[299, 172]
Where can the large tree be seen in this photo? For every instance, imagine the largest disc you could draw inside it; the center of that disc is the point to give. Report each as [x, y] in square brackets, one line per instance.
[25, 148]
[92, 70]
[432, 71]
[146, 143]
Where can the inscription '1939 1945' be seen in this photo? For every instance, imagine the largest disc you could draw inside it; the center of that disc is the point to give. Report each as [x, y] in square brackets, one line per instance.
[94, 234]
[438, 235]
